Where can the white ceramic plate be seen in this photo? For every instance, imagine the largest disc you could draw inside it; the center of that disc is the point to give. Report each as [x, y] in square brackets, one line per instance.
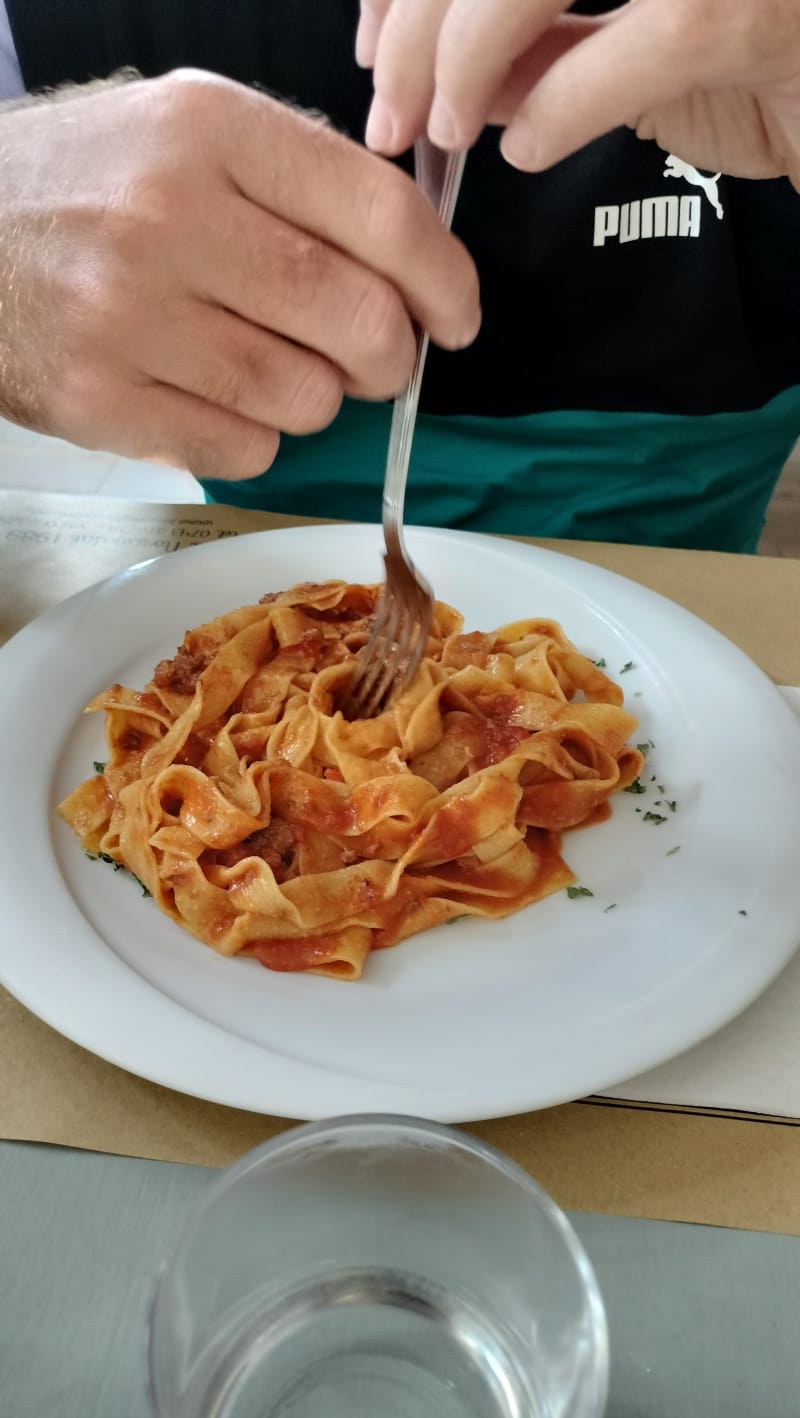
[472, 1020]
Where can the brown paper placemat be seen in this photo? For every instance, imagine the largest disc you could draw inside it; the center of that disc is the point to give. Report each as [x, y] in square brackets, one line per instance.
[598, 1155]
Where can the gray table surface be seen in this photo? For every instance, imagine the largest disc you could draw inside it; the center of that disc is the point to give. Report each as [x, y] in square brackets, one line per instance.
[705, 1323]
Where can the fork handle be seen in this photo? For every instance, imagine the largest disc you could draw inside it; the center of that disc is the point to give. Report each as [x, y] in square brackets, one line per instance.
[439, 175]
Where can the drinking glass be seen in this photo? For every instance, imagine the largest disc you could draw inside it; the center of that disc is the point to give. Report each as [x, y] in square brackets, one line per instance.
[377, 1267]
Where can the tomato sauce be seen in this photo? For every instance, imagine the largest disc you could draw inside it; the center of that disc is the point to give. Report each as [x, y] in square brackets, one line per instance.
[601, 813]
[278, 953]
[499, 740]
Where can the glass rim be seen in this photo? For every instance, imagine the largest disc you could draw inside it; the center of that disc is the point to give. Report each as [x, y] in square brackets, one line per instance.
[294, 1136]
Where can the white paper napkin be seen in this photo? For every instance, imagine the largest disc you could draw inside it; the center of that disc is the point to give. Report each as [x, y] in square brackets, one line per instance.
[753, 1064]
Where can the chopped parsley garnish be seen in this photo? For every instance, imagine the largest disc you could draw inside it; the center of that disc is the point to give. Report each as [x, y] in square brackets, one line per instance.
[452, 920]
[573, 891]
[742, 913]
[635, 787]
[672, 851]
[612, 907]
[654, 817]
[599, 664]
[661, 788]
[103, 857]
[644, 748]
[671, 805]
[98, 766]
[626, 667]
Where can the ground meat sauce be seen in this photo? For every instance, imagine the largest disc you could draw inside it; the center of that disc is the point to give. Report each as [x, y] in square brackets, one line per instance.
[276, 844]
[130, 740]
[181, 673]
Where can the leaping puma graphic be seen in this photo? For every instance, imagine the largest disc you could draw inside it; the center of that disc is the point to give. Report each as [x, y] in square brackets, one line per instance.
[676, 167]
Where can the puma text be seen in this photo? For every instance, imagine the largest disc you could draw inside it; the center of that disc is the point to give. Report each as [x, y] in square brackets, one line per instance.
[647, 217]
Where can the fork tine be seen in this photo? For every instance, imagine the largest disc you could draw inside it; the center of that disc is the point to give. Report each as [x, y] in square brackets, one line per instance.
[408, 650]
[372, 658]
[414, 659]
[382, 637]
[388, 665]
[392, 655]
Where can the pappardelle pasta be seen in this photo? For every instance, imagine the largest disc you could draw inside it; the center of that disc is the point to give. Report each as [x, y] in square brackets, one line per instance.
[269, 826]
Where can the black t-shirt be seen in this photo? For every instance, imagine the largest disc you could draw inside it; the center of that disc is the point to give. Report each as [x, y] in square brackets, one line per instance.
[622, 284]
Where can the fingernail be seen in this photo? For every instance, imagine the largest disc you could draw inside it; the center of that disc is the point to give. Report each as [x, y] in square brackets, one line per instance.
[380, 126]
[469, 335]
[442, 128]
[517, 150]
[367, 34]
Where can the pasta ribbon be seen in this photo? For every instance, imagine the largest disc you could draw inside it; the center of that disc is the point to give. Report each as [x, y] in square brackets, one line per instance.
[269, 826]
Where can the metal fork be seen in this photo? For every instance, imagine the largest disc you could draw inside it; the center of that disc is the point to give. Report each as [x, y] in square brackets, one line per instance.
[404, 612]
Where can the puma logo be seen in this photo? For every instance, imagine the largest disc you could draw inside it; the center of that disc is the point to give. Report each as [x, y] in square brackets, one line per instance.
[673, 214]
[676, 167]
